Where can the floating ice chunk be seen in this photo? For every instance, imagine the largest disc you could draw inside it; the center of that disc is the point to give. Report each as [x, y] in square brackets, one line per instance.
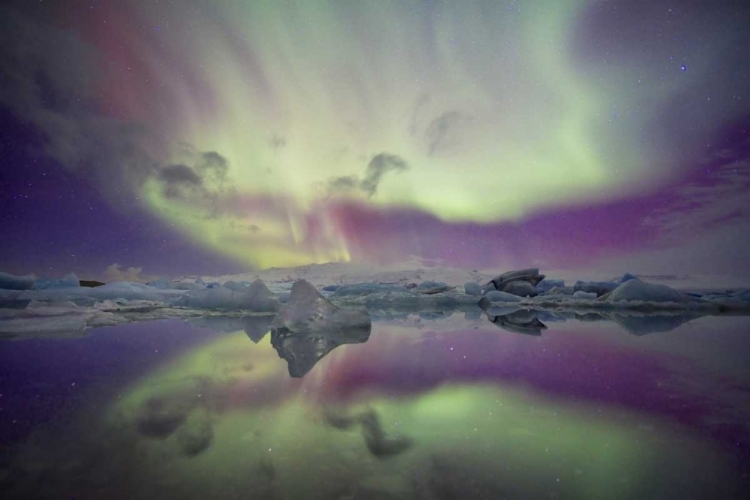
[63, 319]
[367, 289]
[548, 284]
[87, 296]
[310, 326]
[67, 281]
[308, 309]
[522, 282]
[646, 292]
[521, 288]
[597, 287]
[237, 286]
[472, 288]
[530, 275]
[432, 287]
[161, 284]
[62, 326]
[128, 291]
[560, 290]
[12, 282]
[257, 298]
[580, 294]
[186, 283]
[495, 296]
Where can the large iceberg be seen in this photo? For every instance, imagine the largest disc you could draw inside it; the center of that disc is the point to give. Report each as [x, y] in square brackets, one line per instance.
[522, 282]
[310, 326]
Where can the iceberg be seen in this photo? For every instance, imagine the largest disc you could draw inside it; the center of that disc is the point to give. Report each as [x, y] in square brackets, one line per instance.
[367, 289]
[256, 298]
[12, 282]
[521, 289]
[472, 288]
[626, 277]
[123, 290]
[597, 287]
[547, 284]
[67, 281]
[637, 290]
[310, 326]
[39, 319]
[432, 287]
[522, 282]
[496, 296]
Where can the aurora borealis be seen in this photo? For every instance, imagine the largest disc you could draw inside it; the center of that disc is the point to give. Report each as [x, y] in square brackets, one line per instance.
[561, 134]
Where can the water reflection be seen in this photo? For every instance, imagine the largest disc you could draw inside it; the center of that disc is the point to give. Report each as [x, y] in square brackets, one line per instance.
[300, 345]
[302, 350]
[523, 321]
[255, 326]
[423, 406]
[529, 321]
[378, 441]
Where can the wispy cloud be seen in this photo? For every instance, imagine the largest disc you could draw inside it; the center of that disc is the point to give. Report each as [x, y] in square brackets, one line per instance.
[378, 166]
[717, 195]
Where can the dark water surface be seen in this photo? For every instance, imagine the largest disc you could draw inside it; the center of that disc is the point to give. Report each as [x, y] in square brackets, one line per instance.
[427, 407]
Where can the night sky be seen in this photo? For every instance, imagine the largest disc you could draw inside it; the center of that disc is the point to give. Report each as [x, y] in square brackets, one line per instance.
[145, 138]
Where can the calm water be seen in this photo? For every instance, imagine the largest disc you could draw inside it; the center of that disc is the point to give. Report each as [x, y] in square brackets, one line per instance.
[427, 407]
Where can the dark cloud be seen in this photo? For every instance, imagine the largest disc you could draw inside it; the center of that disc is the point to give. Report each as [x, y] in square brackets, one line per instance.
[211, 161]
[378, 166]
[180, 174]
[179, 181]
[442, 132]
[277, 142]
[201, 181]
[344, 183]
